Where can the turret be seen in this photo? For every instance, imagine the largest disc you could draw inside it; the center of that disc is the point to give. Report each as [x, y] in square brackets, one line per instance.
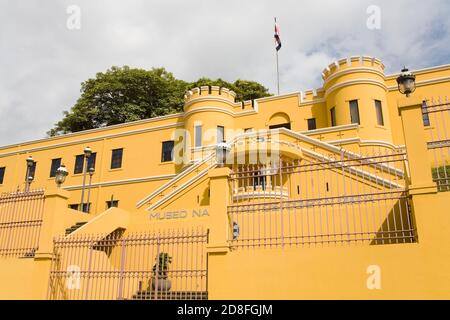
[208, 118]
[355, 92]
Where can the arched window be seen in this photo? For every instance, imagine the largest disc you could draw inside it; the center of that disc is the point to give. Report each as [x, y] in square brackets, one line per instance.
[280, 120]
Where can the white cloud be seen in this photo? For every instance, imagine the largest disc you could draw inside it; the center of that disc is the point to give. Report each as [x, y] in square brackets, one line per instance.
[43, 63]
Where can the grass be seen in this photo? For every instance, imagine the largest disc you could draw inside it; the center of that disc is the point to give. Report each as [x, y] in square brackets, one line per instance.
[442, 177]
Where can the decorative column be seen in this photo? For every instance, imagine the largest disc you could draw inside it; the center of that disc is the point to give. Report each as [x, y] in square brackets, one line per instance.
[52, 225]
[421, 188]
[220, 229]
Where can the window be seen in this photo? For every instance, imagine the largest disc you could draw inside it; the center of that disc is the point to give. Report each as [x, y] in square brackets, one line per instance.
[379, 111]
[312, 124]
[198, 136]
[112, 204]
[425, 115]
[259, 180]
[77, 206]
[91, 161]
[333, 116]
[86, 207]
[2, 174]
[354, 112]
[79, 162]
[278, 126]
[167, 151]
[56, 163]
[220, 134]
[74, 206]
[32, 171]
[116, 158]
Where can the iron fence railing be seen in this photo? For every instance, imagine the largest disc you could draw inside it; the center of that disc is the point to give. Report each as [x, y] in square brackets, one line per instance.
[436, 118]
[21, 215]
[346, 198]
[158, 265]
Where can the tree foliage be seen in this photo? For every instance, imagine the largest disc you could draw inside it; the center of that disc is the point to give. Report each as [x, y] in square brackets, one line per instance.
[123, 94]
[245, 89]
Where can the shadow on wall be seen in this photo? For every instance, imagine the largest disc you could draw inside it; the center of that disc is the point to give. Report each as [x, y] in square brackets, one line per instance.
[398, 227]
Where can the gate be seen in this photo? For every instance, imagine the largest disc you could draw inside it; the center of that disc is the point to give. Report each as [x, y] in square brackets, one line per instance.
[436, 119]
[159, 265]
[335, 199]
[21, 215]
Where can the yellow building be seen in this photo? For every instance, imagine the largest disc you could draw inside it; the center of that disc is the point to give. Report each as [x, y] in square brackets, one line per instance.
[337, 192]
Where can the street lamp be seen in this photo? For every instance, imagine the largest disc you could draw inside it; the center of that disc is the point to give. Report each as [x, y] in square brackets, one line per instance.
[406, 82]
[61, 174]
[91, 173]
[28, 177]
[222, 152]
[87, 154]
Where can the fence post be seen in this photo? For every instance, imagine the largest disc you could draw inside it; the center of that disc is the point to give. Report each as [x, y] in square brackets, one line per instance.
[421, 187]
[219, 230]
[55, 206]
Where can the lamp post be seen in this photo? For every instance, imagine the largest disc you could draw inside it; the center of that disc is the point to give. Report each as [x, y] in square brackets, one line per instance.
[222, 152]
[28, 177]
[87, 154]
[406, 82]
[91, 173]
[61, 174]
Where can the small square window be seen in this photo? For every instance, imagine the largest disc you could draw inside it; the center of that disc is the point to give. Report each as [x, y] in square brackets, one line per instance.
[425, 115]
[333, 116]
[198, 136]
[354, 112]
[312, 124]
[32, 171]
[112, 204]
[116, 158]
[379, 111]
[56, 163]
[220, 134]
[2, 174]
[79, 162]
[167, 151]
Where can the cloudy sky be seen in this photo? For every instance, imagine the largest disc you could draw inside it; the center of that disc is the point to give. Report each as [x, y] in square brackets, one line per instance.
[43, 62]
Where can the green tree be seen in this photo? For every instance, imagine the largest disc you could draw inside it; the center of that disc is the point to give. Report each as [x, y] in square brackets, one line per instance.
[123, 94]
[245, 89]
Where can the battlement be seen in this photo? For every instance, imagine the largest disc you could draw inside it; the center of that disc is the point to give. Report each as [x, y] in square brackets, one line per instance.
[210, 91]
[352, 62]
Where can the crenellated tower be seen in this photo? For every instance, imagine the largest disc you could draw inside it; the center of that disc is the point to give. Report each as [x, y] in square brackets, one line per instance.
[355, 91]
[206, 110]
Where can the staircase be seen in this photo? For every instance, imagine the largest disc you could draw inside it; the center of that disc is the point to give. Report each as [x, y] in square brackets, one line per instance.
[76, 226]
[189, 175]
[311, 149]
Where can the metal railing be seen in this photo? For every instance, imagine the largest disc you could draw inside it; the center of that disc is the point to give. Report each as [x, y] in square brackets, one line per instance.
[158, 265]
[436, 117]
[21, 215]
[339, 199]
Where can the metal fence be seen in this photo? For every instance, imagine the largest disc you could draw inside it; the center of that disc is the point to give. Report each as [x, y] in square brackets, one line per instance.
[335, 199]
[160, 266]
[21, 215]
[436, 118]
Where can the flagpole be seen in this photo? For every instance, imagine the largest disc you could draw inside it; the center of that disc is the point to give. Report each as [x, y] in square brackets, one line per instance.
[278, 75]
[278, 70]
